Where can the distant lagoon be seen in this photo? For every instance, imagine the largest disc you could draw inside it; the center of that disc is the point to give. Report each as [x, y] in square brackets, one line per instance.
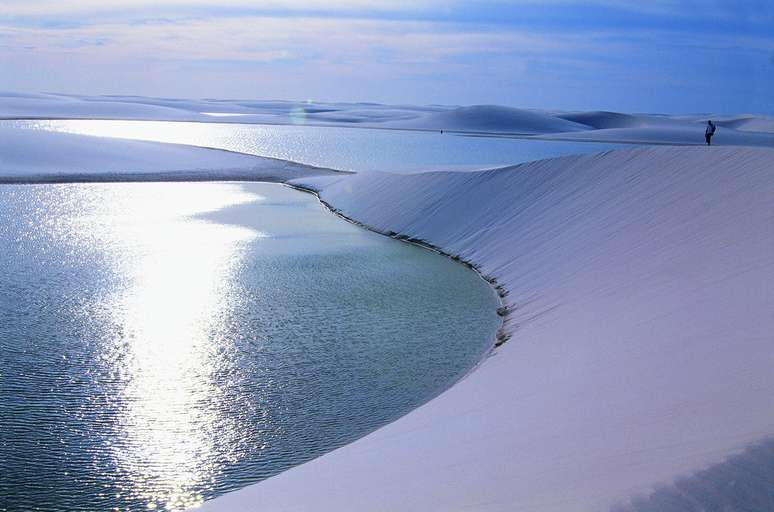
[352, 149]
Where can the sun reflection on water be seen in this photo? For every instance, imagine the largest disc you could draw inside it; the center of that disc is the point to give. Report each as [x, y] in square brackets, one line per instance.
[168, 323]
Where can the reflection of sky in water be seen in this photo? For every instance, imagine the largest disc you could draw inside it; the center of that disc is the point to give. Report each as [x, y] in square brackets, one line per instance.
[355, 149]
[156, 354]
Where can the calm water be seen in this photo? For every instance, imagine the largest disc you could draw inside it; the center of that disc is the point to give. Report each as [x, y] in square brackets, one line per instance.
[355, 149]
[154, 355]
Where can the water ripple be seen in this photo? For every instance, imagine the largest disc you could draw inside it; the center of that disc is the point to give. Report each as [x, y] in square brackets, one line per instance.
[153, 358]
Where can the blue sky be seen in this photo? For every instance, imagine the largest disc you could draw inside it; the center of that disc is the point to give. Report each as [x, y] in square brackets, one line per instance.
[658, 56]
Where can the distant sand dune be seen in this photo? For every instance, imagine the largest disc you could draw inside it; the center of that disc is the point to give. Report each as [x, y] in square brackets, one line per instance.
[478, 119]
[494, 119]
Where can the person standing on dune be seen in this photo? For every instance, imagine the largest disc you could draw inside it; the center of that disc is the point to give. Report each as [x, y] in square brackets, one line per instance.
[709, 132]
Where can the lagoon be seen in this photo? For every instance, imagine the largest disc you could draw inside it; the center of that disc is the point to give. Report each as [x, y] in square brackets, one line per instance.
[343, 148]
[164, 343]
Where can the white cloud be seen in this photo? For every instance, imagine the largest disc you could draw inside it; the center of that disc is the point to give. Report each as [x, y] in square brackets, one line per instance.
[81, 7]
[346, 56]
[272, 38]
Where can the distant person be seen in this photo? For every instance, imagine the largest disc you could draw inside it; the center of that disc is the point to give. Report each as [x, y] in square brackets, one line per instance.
[709, 132]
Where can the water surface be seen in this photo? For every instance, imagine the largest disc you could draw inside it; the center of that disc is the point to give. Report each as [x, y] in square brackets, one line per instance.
[163, 343]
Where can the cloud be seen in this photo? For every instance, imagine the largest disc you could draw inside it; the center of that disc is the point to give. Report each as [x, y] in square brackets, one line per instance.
[269, 38]
[48, 8]
[523, 52]
[343, 53]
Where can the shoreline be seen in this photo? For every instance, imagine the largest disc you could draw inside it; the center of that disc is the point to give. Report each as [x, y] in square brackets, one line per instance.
[408, 317]
[623, 134]
[503, 311]
[545, 137]
[180, 177]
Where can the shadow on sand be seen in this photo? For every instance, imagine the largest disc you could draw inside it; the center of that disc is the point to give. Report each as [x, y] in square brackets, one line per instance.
[744, 482]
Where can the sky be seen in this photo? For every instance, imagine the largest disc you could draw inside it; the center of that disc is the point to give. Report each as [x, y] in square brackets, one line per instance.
[660, 56]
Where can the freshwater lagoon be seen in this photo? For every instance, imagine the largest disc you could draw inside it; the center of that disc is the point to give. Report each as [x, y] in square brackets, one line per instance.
[343, 148]
[164, 343]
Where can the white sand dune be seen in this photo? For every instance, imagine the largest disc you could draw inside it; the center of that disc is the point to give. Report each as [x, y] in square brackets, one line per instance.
[492, 119]
[658, 129]
[480, 119]
[601, 120]
[51, 106]
[28, 155]
[677, 134]
[640, 356]
[749, 123]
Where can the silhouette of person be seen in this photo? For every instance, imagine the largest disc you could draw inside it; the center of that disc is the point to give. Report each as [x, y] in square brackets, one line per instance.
[709, 132]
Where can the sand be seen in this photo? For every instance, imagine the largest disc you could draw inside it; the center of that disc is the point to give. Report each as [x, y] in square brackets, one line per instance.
[640, 340]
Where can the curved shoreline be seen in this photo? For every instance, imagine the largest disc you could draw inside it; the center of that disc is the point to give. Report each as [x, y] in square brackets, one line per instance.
[375, 347]
[499, 290]
[184, 177]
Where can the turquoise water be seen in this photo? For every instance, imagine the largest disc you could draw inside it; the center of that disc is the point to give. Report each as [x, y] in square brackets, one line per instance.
[357, 149]
[163, 343]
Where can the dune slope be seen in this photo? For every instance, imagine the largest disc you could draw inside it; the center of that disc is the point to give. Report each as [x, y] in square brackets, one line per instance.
[492, 119]
[640, 356]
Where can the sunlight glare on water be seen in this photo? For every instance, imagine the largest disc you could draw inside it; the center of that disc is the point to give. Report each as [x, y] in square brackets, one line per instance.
[166, 317]
[336, 147]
